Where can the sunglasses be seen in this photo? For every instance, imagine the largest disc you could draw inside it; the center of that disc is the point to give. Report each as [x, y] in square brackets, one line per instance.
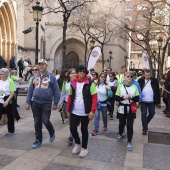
[34, 69]
[82, 71]
[102, 76]
[128, 76]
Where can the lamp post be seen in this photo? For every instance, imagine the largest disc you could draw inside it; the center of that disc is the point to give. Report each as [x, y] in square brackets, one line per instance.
[131, 63]
[110, 58]
[125, 59]
[160, 40]
[37, 15]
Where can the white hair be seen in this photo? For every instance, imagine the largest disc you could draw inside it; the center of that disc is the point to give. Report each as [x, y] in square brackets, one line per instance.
[5, 71]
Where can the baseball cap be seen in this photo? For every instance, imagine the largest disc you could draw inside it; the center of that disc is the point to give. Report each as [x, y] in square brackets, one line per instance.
[43, 61]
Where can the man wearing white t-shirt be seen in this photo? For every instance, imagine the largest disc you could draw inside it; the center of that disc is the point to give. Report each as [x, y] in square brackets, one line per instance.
[81, 107]
[150, 97]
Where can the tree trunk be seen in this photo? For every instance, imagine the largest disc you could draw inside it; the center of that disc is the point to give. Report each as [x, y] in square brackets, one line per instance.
[150, 61]
[64, 42]
[85, 52]
[102, 49]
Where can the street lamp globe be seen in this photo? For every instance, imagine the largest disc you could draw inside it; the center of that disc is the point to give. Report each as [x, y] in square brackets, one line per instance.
[37, 11]
[92, 42]
[160, 40]
[110, 54]
[154, 53]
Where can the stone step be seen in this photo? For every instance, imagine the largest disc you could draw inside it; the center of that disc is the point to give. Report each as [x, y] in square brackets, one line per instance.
[21, 92]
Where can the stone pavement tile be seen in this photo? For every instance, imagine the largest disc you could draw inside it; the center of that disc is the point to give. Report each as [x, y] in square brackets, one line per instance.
[95, 165]
[6, 160]
[112, 166]
[107, 151]
[58, 143]
[42, 154]
[133, 157]
[53, 166]
[135, 163]
[132, 168]
[156, 157]
[25, 164]
[21, 140]
[62, 160]
[79, 162]
[12, 152]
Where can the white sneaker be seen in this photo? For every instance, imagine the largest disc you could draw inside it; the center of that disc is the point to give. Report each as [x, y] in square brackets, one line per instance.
[75, 149]
[83, 153]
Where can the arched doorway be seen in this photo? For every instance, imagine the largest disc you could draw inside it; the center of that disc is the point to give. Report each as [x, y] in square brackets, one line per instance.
[7, 29]
[72, 60]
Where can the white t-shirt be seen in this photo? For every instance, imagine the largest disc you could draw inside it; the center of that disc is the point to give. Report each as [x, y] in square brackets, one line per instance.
[57, 76]
[4, 90]
[67, 86]
[79, 101]
[102, 93]
[147, 92]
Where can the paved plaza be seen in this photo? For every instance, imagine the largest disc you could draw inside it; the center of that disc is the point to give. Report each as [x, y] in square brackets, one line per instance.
[104, 152]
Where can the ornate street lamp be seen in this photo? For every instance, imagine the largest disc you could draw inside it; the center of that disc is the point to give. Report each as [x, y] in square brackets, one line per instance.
[131, 63]
[92, 42]
[37, 15]
[110, 58]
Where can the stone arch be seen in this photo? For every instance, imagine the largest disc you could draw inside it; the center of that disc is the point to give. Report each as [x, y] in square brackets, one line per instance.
[7, 29]
[59, 42]
[73, 45]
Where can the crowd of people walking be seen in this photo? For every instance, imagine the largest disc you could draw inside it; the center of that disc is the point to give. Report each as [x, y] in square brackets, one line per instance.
[80, 95]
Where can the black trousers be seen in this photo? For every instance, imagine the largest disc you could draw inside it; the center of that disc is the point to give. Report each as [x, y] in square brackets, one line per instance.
[41, 114]
[111, 106]
[21, 73]
[126, 119]
[74, 122]
[8, 111]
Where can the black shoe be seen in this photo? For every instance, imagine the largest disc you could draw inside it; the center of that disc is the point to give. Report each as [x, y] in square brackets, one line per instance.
[111, 117]
[144, 132]
[18, 105]
[167, 115]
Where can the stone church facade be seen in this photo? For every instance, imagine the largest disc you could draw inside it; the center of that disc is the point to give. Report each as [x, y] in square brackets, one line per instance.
[14, 42]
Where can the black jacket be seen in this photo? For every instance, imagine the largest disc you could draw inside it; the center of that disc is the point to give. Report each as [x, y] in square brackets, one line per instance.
[21, 64]
[3, 63]
[12, 64]
[155, 88]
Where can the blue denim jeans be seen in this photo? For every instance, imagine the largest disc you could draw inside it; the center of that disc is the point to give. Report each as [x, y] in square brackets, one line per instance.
[103, 109]
[146, 118]
[41, 114]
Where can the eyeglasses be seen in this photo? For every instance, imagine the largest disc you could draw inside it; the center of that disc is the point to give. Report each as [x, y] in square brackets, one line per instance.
[82, 71]
[93, 74]
[102, 76]
[128, 76]
[34, 69]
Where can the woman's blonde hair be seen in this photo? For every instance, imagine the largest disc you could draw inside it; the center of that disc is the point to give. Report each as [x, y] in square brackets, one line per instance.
[128, 72]
[13, 71]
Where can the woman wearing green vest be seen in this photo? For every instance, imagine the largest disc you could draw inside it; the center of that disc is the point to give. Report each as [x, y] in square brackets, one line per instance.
[126, 94]
[7, 92]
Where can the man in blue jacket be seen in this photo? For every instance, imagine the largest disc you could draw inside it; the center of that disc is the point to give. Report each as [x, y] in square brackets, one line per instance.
[42, 89]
